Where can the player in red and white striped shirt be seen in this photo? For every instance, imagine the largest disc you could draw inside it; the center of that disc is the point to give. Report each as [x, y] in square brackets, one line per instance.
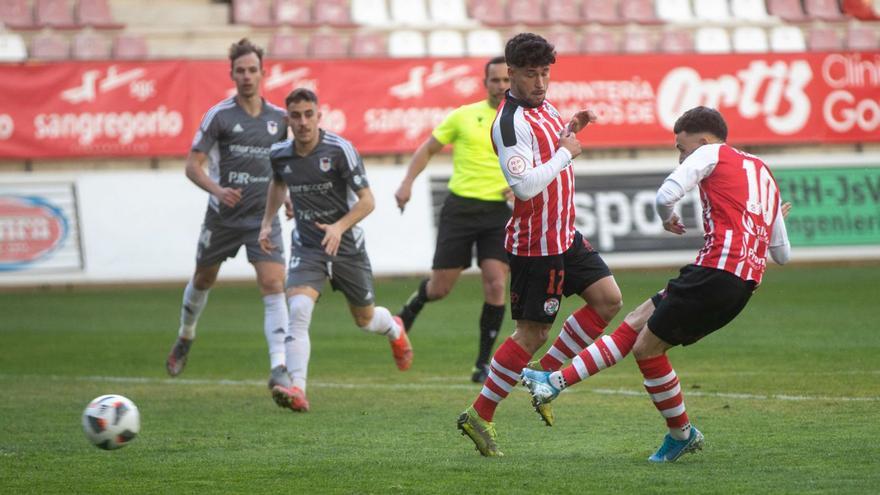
[743, 218]
[549, 259]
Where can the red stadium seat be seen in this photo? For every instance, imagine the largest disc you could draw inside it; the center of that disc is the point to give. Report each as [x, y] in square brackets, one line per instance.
[599, 42]
[824, 39]
[333, 13]
[861, 9]
[678, 41]
[329, 45]
[490, 12]
[368, 45]
[292, 13]
[566, 42]
[16, 14]
[826, 10]
[601, 11]
[50, 46]
[787, 10]
[861, 38]
[90, 46]
[255, 13]
[528, 12]
[286, 45]
[57, 14]
[96, 14]
[563, 12]
[639, 42]
[130, 47]
[640, 11]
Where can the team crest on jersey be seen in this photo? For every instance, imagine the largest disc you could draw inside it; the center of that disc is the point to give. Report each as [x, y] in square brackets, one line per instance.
[324, 164]
[272, 127]
[551, 306]
[516, 165]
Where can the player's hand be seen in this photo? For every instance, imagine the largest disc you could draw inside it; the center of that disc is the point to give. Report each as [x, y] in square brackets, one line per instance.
[509, 196]
[580, 120]
[570, 142]
[786, 207]
[288, 208]
[332, 237]
[674, 225]
[265, 239]
[229, 196]
[403, 194]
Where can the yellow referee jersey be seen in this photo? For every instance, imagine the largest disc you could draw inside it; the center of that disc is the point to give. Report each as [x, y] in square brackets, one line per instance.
[476, 173]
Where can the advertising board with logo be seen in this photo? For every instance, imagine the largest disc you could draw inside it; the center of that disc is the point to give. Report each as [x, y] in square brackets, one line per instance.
[39, 229]
[88, 109]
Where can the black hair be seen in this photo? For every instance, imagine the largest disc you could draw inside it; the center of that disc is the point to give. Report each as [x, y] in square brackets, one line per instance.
[244, 47]
[301, 94]
[494, 60]
[529, 50]
[702, 119]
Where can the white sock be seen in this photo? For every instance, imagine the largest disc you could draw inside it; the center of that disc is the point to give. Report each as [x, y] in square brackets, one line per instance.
[297, 345]
[682, 433]
[275, 327]
[194, 301]
[383, 324]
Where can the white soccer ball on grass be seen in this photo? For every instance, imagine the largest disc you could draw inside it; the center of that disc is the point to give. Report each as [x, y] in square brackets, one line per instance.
[111, 421]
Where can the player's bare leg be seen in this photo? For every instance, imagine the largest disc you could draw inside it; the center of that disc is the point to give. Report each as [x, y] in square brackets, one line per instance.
[195, 296]
[378, 320]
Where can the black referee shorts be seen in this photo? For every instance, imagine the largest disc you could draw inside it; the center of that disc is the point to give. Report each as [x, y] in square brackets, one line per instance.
[698, 302]
[465, 223]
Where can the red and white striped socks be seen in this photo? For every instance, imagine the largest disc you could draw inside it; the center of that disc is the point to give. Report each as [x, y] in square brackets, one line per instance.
[662, 385]
[605, 352]
[579, 330]
[504, 371]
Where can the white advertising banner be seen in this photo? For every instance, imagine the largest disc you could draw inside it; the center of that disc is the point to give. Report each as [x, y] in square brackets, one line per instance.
[143, 226]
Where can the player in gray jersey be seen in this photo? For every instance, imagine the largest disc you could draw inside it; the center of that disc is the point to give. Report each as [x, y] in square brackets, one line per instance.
[328, 186]
[234, 139]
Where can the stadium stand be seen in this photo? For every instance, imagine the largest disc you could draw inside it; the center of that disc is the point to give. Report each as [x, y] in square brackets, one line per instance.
[286, 45]
[50, 46]
[601, 11]
[367, 44]
[862, 38]
[95, 14]
[639, 11]
[409, 13]
[17, 14]
[825, 10]
[716, 11]
[750, 39]
[749, 11]
[450, 13]
[292, 13]
[599, 41]
[639, 41]
[406, 44]
[255, 13]
[333, 13]
[370, 13]
[130, 47]
[445, 43]
[328, 45]
[489, 12]
[677, 41]
[824, 39]
[787, 10]
[866, 10]
[530, 13]
[787, 39]
[564, 12]
[90, 46]
[712, 40]
[12, 48]
[674, 11]
[567, 42]
[484, 43]
[57, 14]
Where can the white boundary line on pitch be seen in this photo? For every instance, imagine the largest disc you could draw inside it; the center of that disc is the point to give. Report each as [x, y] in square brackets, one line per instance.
[435, 386]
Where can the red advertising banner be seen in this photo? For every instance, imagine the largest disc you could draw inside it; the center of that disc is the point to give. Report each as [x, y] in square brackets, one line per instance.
[80, 109]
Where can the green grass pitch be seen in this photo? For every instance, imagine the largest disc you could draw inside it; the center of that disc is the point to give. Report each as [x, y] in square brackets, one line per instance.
[788, 396]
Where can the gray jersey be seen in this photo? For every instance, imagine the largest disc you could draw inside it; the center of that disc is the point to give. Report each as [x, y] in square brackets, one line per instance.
[237, 146]
[323, 189]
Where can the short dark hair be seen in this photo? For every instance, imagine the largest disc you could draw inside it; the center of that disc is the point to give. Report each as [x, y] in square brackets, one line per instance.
[301, 94]
[244, 47]
[492, 61]
[702, 119]
[529, 50]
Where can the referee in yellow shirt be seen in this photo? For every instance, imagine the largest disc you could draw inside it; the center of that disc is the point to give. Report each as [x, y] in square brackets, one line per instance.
[475, 212]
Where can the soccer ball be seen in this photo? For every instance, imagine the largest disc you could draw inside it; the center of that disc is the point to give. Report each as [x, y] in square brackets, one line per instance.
[111, 421]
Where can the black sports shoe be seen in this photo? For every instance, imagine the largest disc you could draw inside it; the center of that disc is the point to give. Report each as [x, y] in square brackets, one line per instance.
[480, 373]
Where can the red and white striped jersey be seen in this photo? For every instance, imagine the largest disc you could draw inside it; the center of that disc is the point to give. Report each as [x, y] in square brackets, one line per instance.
[740, 201]
[527, 137]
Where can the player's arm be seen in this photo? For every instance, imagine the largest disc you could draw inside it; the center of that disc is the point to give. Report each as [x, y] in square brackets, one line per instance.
[334, 231]
[195, 171]
[780, 247]
[513, 139]
[684, 178]
[417, 165]
[275, 197]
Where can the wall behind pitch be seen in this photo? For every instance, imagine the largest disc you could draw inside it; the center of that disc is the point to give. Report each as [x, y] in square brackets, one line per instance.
[142, 226]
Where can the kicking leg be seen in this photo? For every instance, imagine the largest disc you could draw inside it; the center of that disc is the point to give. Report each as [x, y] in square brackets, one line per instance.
[195, 297]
